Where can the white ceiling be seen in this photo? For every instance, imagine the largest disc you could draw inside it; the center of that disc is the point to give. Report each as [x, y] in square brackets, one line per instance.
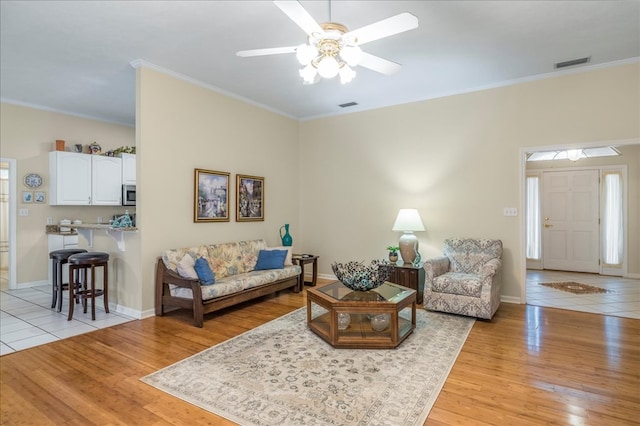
[75, 56]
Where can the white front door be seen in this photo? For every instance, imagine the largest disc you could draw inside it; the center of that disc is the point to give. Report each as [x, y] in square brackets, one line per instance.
[571, 238]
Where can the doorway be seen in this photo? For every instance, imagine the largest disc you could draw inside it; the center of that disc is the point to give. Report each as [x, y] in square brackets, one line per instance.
[630, 147]
[7, 223]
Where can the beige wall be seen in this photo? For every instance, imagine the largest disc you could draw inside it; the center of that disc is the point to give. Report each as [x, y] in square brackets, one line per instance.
[338, 181]
[28, 135]
[630, 157]
[456, 159]
[181, 127]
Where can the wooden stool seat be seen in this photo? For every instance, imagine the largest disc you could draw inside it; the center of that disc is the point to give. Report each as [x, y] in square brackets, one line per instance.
[59, 258]
[84, 286]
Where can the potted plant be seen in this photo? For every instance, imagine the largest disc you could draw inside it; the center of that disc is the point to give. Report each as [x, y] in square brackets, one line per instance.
[393, 253]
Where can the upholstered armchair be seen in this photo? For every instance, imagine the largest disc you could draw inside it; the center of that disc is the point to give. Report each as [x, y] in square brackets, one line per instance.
[466, 280]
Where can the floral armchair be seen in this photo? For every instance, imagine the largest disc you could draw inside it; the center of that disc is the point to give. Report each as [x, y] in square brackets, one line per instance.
[466, 280]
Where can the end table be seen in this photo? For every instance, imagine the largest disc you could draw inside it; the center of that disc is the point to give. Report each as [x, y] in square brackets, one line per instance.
[409, 276]
[301, 260]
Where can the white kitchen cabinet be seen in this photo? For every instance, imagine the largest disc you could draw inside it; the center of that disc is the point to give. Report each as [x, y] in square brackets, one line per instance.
[106, 181]
[70, 175]
[128, 169]
[84, 179]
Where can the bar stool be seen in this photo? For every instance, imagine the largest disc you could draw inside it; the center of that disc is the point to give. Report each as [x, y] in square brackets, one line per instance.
[82, 262]
[59, 258]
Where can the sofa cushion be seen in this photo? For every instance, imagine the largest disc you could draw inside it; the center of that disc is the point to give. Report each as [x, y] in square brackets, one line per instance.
[172, 257]
[236, 283]
[458, 283]
[234, 258]
[185, 267]
[205, 274]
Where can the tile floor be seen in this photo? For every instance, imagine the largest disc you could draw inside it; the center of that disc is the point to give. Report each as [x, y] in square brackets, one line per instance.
[27, 320]
[623, 302]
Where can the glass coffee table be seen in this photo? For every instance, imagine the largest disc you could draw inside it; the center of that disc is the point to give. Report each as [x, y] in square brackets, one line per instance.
[379, 318]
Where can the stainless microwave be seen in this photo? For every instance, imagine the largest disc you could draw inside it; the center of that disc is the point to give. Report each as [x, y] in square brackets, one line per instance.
[128, 195]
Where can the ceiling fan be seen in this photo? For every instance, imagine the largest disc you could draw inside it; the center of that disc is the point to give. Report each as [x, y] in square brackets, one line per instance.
[332, 49]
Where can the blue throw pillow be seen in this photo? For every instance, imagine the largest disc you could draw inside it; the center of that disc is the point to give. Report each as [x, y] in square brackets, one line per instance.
[205, 274]
[270, 259]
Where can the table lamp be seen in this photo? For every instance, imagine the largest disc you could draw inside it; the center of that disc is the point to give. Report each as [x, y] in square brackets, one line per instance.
[408, 221]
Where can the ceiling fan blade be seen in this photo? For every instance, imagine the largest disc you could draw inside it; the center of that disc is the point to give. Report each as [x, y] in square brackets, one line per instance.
[385, 28]
[300, 16]
[268, 51]
[378, 64]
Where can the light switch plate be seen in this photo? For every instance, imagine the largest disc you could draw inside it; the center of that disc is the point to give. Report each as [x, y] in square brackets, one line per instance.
[510, 211]
[24, 212]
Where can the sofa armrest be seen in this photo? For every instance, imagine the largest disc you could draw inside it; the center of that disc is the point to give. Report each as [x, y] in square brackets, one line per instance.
[170, 277]
[166, 277]
[434, 267]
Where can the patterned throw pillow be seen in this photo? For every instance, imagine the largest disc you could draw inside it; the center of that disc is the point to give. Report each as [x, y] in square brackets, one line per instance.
[185, 267]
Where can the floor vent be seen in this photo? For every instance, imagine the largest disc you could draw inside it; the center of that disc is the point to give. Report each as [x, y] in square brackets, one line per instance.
[573, 62]
[348, 104]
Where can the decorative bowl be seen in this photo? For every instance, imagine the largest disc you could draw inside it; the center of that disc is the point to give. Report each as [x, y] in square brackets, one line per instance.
[360, 277]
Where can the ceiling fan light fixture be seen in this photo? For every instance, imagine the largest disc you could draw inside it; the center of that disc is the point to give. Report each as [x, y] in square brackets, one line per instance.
[574, 154]
[346, 74]
[305, 53]
[308, 74]
[328, 67]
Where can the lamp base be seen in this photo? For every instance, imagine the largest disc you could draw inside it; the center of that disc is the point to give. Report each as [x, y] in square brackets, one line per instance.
[408, 247]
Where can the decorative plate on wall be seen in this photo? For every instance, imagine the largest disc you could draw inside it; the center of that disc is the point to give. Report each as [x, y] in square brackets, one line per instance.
[33, 180]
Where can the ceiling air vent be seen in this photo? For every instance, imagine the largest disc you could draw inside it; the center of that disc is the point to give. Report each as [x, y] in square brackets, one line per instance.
[348, 104]
[573, 62]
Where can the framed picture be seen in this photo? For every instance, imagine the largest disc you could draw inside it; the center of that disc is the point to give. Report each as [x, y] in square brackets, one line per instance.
[40, 197]
[249, 198]
[211, 196]
[27, 196]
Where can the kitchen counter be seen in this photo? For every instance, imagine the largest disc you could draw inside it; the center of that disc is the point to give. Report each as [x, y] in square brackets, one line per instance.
[87, 229]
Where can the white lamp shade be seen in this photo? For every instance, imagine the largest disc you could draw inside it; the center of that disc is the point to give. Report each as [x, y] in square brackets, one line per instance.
[408, 220]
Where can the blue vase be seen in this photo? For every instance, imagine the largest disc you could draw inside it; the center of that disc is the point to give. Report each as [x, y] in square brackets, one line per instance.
[287, 240]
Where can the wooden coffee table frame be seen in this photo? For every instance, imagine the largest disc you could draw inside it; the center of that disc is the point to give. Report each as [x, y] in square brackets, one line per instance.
[360, 334]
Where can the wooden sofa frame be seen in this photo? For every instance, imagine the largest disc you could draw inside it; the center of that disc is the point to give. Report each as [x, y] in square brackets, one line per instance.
[165, 276]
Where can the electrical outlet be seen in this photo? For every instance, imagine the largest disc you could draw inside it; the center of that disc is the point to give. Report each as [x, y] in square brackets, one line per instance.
[510, 211]
[49, 221]
[99, 219]
[24, 212]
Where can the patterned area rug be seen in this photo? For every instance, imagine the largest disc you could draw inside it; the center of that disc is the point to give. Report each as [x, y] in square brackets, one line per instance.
[576, 288]
[282, 374]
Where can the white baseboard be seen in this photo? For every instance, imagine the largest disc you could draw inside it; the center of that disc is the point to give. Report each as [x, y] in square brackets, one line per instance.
[511, 299]
[32, 284]
[326, 276]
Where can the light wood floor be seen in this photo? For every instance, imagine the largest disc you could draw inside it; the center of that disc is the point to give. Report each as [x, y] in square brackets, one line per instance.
[529, 366]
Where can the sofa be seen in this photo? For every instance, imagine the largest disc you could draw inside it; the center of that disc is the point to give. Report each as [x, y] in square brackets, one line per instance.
[238, 271]
[467, 279]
